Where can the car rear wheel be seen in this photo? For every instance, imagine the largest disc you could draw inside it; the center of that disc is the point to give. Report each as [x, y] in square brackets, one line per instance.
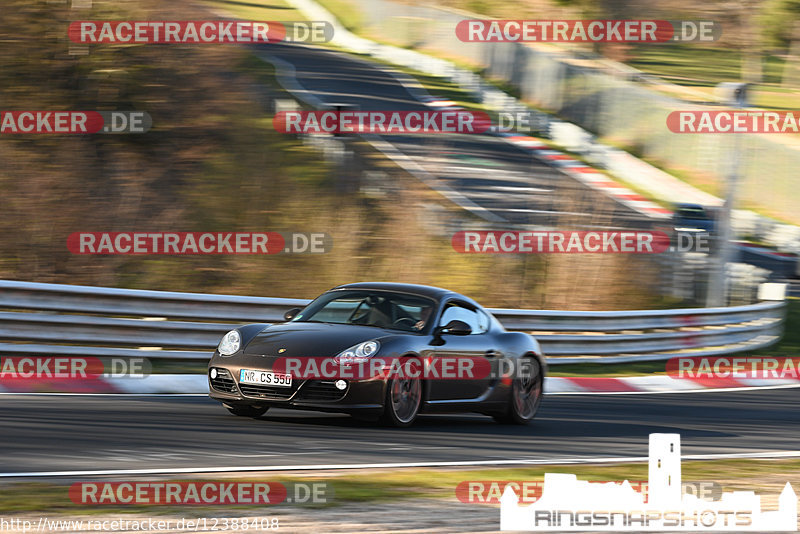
[403, 399]
[526, 394]
[247, 411]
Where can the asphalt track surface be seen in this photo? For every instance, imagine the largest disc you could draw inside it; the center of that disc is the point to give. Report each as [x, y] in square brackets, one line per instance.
[504, 179]
[65, 433]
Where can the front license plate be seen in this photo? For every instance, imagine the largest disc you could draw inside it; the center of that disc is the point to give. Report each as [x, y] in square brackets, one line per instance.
[264, 378]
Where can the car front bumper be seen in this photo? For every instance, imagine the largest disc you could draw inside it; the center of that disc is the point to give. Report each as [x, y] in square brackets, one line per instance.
[323, 395]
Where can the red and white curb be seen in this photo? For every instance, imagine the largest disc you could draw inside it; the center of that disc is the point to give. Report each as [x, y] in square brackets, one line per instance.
[555, 385]
[589, 176]
[198, 385]
[570, 166]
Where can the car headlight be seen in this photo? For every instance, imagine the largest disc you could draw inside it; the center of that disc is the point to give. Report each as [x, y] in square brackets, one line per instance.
[230, 343]
[358, 353]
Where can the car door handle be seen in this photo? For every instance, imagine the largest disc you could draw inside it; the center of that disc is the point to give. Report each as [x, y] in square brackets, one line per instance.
[492, 354]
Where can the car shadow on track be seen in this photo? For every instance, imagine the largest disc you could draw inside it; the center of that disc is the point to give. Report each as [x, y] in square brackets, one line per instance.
[476, 424]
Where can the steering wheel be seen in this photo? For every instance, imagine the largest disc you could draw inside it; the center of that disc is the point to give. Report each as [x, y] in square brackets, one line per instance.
[404, 321]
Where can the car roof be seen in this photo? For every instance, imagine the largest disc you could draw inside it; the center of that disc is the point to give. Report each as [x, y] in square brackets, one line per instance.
[415, 289]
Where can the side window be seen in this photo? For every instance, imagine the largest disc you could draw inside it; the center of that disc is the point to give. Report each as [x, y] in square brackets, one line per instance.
[483, 321]
[477, 321]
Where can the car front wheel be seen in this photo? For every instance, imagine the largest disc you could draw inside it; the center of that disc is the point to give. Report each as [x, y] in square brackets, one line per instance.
[403, 399]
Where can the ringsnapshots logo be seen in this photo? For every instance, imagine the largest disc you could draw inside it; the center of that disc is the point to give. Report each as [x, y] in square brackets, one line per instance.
[198, 32]
[587, 31]
[182, 243]
[74, 122]
[569, 504]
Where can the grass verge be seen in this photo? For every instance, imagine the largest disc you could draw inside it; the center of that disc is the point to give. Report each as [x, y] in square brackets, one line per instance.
[380, 486]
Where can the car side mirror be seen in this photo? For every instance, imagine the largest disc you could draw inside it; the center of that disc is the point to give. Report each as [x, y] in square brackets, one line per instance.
[456, 328]
[291, 314]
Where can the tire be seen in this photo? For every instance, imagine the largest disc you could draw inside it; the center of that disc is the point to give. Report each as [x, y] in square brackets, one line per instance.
[247, 411]
[525, 395]
[402, 403]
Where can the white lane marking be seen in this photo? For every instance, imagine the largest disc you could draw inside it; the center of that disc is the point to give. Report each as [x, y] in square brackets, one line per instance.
[287, 77]
[672, 391]
[397, 465]
[519, 189]
[413, 167]
[501, 195]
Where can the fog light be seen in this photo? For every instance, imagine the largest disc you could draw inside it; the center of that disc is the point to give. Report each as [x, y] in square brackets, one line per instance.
[340, 384]
[213, 373]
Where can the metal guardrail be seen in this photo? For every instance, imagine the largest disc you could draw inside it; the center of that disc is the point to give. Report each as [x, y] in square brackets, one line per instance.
[54, 319]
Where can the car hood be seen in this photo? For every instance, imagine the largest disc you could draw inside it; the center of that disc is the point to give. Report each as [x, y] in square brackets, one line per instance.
[311, 339]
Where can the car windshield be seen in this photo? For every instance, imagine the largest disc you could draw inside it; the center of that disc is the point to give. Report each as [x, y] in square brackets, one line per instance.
[383, 309]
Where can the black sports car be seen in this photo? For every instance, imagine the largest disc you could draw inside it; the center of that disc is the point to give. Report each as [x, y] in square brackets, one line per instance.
[383, 351]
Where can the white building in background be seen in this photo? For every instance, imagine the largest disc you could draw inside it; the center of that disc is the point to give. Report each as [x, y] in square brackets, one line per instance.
[569, 504]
